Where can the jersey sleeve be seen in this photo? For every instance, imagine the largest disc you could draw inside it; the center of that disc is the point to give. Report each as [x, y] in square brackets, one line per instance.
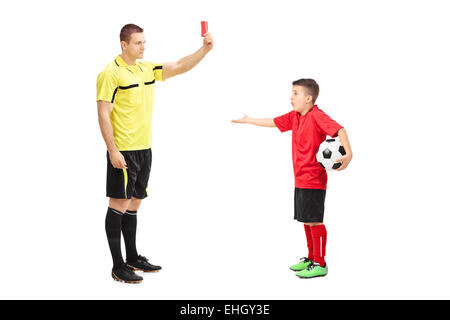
[156, 68]
[325, 124]
[157, 71]
[284, 122]
[107, 84]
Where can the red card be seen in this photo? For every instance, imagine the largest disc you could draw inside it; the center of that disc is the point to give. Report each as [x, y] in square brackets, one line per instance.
[204, 27]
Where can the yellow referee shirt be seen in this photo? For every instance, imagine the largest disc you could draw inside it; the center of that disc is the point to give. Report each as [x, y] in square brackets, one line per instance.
[131, 90]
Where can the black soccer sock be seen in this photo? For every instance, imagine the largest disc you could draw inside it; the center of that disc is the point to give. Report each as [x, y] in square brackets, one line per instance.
[129, 226]
[113, 225]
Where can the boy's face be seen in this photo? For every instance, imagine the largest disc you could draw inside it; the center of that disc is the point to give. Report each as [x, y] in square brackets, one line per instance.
[299, 100]
[136, 46]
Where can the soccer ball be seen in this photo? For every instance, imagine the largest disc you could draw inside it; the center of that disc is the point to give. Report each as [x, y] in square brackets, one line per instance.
[329, 151]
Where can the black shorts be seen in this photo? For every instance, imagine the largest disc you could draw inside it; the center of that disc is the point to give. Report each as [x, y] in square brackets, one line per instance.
[309, 205]
[131, 182]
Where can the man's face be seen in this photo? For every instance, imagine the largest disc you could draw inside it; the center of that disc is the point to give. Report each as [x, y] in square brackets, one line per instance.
[136, 46]
[299, 99]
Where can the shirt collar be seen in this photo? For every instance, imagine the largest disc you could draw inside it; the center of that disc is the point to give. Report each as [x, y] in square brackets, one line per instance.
[120, 62]
[313, 107]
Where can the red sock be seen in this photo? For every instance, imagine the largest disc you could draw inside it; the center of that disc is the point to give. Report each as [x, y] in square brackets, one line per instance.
[319, 239]
[309, 242]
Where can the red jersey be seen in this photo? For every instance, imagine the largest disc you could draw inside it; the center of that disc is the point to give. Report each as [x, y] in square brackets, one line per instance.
[308, 132]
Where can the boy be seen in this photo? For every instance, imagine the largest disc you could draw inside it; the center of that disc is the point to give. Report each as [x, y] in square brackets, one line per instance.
[309, 126]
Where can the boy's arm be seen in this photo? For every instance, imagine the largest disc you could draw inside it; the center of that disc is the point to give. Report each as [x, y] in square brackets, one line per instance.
[262, 122]
[342, 134]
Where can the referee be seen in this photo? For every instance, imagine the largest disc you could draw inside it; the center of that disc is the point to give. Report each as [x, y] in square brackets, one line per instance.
[125, 92]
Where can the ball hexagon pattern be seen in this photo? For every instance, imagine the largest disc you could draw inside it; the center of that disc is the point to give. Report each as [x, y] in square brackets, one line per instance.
[329, 151]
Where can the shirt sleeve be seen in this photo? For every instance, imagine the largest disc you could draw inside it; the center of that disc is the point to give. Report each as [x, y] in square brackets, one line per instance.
[325, 124]
[157, 71]
[284, 122]
[107, 84]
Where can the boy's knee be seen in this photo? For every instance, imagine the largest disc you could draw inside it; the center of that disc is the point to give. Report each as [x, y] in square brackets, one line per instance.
[312, 224]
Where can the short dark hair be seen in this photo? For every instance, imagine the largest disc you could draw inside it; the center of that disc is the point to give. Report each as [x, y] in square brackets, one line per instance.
[311, 86]
[127, 30]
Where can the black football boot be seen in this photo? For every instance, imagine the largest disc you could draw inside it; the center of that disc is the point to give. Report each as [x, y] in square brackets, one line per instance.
[142, 264]
[125, 274]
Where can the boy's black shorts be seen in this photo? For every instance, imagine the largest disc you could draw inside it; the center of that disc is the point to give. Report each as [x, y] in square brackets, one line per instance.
[309, 205]
[131, 182]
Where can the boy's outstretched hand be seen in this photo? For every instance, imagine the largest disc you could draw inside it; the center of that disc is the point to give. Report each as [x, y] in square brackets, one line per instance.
[262, 122]
[242, 120]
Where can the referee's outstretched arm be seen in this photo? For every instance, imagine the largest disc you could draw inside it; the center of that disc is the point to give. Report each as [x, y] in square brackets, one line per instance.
[185, 64]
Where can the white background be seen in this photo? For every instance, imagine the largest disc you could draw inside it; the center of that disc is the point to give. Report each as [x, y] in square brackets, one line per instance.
[220, 216]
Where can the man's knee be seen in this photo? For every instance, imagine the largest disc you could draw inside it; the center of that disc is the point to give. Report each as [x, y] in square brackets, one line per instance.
[119, 204]
[134, 204]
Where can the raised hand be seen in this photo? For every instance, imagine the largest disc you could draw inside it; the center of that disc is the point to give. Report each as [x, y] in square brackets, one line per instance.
[208, 41]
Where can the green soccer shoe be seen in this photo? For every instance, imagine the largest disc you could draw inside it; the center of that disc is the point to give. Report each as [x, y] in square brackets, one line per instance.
[314, 270]
[302, 265]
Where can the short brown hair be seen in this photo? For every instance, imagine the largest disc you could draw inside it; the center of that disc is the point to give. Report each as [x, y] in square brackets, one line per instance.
[311, 86]
[127, 30]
